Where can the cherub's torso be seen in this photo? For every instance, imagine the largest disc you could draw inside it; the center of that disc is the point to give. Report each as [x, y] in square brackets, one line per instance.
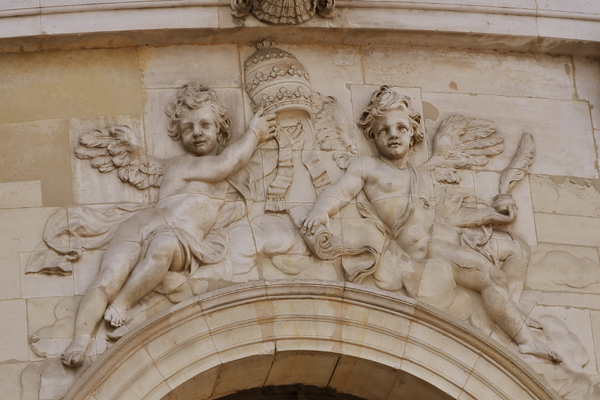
[388, 189]
[192, 205]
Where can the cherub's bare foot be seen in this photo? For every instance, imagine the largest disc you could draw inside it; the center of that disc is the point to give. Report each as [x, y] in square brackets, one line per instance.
[75, 353]
[541, 350]
[115, 315]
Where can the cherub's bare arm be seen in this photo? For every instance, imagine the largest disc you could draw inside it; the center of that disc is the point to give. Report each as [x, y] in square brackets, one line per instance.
[474, 217]
[334, 198]
[234, 157]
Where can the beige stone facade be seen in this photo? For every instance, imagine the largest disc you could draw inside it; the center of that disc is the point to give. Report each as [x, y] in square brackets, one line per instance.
[262, 316]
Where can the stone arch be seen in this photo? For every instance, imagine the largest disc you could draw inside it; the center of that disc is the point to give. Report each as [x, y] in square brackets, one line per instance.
[354, 340]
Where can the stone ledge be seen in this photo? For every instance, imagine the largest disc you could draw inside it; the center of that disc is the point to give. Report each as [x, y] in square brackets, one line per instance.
[125, 23]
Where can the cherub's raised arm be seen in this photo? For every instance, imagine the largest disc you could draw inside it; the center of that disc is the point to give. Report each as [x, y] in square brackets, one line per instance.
[235, 156]
[334, 198]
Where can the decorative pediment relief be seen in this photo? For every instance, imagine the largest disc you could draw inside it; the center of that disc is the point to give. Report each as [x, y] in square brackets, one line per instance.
[299, 194]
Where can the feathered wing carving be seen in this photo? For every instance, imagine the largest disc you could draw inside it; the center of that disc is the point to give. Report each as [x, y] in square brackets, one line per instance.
[463, 143]
[518, 166]
[331, 130]
[118, 147]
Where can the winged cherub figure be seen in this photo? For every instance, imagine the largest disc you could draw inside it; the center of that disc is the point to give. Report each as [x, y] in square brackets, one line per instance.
[402, 198]
[171, 234]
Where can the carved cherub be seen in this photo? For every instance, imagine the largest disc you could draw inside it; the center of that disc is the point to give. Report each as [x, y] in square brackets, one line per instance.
[172, 235]
[402, 198]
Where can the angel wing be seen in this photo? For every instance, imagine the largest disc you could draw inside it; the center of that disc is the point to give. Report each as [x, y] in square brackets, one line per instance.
[463, 143]
[118, 147]
[331, 129]
[519, 165]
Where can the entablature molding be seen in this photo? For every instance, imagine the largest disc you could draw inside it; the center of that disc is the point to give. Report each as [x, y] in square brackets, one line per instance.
[512, 26]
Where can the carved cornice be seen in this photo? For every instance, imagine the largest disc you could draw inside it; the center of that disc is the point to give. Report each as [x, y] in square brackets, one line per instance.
[340, 4]
[127, 23]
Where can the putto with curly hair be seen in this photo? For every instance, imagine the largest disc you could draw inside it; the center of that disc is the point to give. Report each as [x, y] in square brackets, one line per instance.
[191, 97]
[385, 99]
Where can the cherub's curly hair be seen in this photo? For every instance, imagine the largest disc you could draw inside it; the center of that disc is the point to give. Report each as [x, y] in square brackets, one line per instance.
[385, 99]
[191, 97]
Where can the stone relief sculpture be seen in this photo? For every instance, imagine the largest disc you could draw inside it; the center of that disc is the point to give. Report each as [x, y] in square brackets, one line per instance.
[283, 11]
[269, 198]
[402, 198]
[310, 126]
[173, 234]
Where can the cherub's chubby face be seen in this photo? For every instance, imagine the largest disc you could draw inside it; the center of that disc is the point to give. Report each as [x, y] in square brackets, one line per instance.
[392, 134]
[199, 131]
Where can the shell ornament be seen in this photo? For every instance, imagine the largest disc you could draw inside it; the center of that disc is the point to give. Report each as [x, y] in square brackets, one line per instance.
[283, 12]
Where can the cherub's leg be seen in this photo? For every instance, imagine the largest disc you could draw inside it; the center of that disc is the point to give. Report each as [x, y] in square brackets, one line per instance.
[475, 272]
[115, 267]
[164, 252]
[515, 254]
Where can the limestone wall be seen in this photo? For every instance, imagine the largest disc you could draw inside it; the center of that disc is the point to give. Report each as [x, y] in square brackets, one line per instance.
[49, 98]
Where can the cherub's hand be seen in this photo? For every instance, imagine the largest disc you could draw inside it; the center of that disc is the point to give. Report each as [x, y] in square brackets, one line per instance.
[506, 207]
[310, 223]
[263, 126]
[505, 217]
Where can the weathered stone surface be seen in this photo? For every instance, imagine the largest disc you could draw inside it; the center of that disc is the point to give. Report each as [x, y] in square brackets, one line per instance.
[300, 367]
[23, 230]
[58, 85]
[456, 71]
[20, 194]
[255, 371]
[149, 377]
[10, 285]
[172, 67]
[484, 370]
[564, 195]
[46, 144]
[43, 285]
[432, 361]
[20, 4]
[201, 386]
[572, 6]
[20, 26]
[581, 231]
[560, 27]
[358, 379]
[547, 120]
[595, 316]
[411, 19]
[562, 268]
[14, 331]
[587, 73]
[578, 322]
[56, 379]
[10, 378]
[589, 301]
[107, 20]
